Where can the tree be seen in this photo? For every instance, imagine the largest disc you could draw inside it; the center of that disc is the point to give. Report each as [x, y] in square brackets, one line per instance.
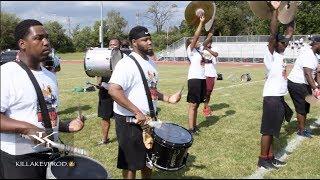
[82, 39]
[58, 39]
[159, 13]
[8, 23]
[115, 25]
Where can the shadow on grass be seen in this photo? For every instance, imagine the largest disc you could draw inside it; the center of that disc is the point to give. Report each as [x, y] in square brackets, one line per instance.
[291, 128]
[216, 107]
[211, 120]
[159, 174]
[74, 109]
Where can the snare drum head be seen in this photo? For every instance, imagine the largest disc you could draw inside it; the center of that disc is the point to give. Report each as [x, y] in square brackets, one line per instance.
[77, 167]
[173, 135]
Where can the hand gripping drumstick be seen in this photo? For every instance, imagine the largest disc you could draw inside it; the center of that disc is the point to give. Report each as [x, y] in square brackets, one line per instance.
[66, 147]
[60, 146]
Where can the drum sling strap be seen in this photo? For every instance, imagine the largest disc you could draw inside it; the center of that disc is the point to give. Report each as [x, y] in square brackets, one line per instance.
[146, 134]
[43, 107]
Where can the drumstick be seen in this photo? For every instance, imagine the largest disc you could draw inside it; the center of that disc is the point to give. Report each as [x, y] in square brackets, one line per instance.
[59, 145]
[313, 100]
[181, 89]
[66, 147]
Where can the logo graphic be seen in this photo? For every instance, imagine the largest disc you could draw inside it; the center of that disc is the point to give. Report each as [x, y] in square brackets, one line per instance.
[43, 140]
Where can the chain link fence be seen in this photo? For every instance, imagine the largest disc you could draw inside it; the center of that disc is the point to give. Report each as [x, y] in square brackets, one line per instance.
[249, 48]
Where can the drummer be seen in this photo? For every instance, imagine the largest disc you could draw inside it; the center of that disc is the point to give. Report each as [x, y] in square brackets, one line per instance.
[127, 90]
[20, 112]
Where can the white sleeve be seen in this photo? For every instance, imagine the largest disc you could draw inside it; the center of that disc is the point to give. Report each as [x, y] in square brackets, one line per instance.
[268, 59]
[306, 60]
[121, 75]
[5, 90]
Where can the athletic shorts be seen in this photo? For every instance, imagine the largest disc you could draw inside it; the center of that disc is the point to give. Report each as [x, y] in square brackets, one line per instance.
[273, 115]
[105, 105]
[131, 150]
[210, 84]
[298, 93]
[196, 91]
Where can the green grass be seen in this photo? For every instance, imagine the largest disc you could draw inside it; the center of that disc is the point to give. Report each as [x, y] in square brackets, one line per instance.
[229, 142]
[72, 56]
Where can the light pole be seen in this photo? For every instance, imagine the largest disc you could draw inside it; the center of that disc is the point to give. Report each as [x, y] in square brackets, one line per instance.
[101, 27]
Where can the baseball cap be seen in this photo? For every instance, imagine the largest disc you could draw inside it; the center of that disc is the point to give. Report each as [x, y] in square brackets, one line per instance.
[138, 32]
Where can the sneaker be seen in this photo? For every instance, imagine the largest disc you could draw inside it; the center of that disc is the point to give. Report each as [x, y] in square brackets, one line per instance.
[266, 164]
[207, 112]
[192, 131]
[305, 133]
[196, 129]
[277, 162]
[102, 142]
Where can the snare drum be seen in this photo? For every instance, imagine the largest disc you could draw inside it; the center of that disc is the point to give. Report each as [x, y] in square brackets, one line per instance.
[76, 167]
[97, 62]
[170, 147]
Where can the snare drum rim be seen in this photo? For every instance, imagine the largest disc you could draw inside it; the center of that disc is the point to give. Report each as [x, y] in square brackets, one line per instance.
[82, 156]
[168, 144]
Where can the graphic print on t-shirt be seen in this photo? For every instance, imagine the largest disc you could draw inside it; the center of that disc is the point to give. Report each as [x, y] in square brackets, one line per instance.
[152, 83]
[51, 103]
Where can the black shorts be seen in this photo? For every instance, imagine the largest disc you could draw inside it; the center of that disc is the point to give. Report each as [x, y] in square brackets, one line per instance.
[196, 91]
[23, 166]
[273, 115]
[131, 151]
[298, 93]
[105, 106]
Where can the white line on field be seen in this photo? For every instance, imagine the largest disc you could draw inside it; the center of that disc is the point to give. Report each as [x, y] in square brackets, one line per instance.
[283, 154]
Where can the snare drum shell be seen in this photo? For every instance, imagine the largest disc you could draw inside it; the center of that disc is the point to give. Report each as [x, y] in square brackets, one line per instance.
[104, 174]
[167, 155]
[97, 62]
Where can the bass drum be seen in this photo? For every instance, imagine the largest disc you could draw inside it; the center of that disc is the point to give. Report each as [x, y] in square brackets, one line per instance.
[76, 167]
[170, 147]
[101, 61]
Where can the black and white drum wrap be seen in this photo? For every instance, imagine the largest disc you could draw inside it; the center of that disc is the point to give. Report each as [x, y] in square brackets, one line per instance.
[170, 148]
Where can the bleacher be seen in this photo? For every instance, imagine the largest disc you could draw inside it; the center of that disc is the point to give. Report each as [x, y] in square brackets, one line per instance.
[233, 48]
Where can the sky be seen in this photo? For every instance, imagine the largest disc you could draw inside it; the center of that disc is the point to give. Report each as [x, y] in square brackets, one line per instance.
[85, 13]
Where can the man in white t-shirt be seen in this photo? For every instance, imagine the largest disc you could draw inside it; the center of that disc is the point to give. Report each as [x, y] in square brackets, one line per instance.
[302, 83]
[275, 88]
[20, 110]
[128, 92]
[196, 77]
[209, 54]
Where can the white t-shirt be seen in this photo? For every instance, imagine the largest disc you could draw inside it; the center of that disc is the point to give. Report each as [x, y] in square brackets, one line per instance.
[196, 70]
[306, 59]
[209, 68]
[127, 75]
[276, 83]
[19, 101]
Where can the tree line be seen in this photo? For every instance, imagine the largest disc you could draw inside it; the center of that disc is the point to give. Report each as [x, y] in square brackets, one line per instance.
[233, 18]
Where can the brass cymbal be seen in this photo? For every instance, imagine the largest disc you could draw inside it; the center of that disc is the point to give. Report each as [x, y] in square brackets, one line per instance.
[287, 13]
[260, 9]
[190, 12]
[208, 25]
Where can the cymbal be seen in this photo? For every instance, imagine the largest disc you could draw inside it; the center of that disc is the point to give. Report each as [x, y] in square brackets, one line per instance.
[313, 101]
[190, 12]
[208, 25]
[260, 9]
[287, 13]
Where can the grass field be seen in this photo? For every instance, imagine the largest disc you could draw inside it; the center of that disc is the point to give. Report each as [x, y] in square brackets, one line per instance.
[229, 142]
[72, 56]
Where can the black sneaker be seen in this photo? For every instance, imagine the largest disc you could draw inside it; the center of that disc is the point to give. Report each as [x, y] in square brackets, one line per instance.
[266, 164]
[305, 133]
[192, 131]
[196, 129]
[277, 162]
